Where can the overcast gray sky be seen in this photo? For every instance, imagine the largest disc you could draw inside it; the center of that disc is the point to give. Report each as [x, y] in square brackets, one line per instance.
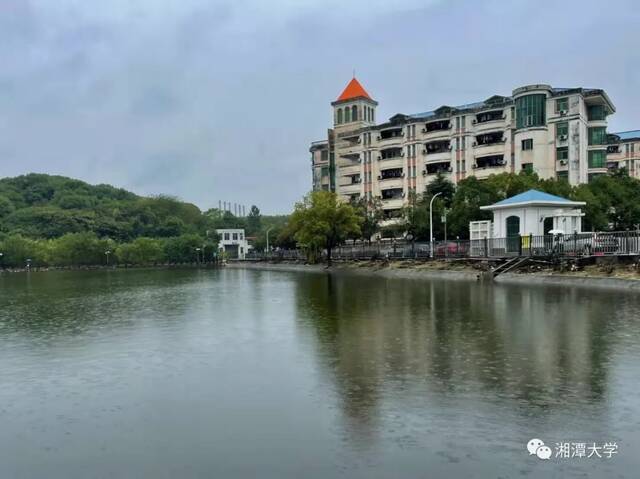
[209, 100]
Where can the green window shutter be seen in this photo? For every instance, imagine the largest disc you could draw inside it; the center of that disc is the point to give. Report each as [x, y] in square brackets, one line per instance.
[597, 158]
[597, 135]
[530, 111]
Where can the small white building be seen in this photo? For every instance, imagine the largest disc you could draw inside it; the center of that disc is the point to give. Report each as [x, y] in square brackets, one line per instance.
[233, 243]
[535, 213]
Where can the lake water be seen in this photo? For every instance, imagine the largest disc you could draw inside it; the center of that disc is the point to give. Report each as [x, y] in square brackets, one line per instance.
[262, 374]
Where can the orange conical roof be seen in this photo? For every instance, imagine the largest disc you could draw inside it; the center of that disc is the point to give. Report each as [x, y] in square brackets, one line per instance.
[353, 90]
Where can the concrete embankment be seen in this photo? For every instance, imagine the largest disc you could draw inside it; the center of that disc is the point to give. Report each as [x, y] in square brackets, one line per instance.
[421, 271]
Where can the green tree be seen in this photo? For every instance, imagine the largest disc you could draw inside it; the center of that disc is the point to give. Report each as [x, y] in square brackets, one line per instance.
[254, 221]
[6, 206]
[78, 249]
[142, 251]
[321, 220]
[17, 249]
[371, 214]
[182, 249]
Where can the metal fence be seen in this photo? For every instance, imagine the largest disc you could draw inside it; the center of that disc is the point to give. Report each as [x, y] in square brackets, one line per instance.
[573, 245]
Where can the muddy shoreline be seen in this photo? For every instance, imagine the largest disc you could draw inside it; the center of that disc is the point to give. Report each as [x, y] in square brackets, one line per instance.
[419, 271]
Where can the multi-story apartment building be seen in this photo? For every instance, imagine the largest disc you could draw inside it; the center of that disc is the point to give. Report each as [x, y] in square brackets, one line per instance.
[556, 132]
[623, 151]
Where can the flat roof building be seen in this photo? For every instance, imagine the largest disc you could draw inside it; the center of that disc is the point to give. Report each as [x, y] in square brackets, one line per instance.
[555, 132]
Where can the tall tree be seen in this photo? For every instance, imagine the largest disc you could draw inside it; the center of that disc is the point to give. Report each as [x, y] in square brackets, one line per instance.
[371, 214]
[254, 221]
[321, 220]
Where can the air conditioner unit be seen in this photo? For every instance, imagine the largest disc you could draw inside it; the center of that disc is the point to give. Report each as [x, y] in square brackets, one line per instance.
[563, 162]
[563, 112]
[563, 137]
[424, 172]
[379, 158]
[424, 152]
[449, 169]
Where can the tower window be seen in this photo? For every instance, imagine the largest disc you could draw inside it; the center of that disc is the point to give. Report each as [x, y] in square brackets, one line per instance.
[354, 113]
[339, 116]
[347, 115]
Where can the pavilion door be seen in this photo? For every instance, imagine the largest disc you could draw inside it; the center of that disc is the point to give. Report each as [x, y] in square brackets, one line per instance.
[513, 234]
[548, 239]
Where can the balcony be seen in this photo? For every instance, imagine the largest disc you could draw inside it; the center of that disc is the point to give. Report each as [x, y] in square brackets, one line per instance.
[489, 116]
[391, 173]
[392, 204]
[391, 153]
[493, 161]
[437, 126]
[391, 135]
[435, 147]
[349, 170]
[353, 179]
[435, 168]
[488, 139]
[392, 194]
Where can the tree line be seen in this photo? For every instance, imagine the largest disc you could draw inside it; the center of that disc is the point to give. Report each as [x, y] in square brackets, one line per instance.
[320, 222]
[60, 221]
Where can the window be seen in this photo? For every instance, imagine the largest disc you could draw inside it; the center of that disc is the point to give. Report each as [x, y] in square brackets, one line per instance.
[324, 171]
[597, 158]
[226, 236]
[596, 113]
[241, 235]
[354, 113]
[562, 104]
[347, 115]
[339, 116]
[562, 154]
[527, 144]
[462, 141]
[562, 175]
[597, 135]
[462, 122]
[530, 111]
[457, 123]
[527, 167]
[235, 236]
[562, 130]
[457, 144]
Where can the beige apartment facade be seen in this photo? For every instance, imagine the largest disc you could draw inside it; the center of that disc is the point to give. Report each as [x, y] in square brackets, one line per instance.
[555, 132]
[623, 151]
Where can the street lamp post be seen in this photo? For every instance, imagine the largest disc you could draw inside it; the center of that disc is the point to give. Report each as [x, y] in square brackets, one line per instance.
[1, 256]
[431, 222]
[107, 253]
[198, 255]
[268, 229]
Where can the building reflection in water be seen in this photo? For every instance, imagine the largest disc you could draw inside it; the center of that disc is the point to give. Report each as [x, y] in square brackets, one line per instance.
[432, 343]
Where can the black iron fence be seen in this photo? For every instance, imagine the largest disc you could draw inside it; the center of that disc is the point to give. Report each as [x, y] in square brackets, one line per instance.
[543, 246]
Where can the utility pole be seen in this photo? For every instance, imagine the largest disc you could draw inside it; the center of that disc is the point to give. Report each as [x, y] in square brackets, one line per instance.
[431, 222]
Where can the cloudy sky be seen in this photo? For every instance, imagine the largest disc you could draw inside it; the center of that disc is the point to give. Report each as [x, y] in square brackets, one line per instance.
[218, 100]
